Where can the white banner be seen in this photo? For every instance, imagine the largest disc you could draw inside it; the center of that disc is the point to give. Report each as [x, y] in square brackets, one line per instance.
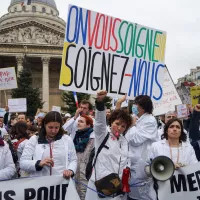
[17, 105]
[37, 188]
[71, 191]
[56, 108]
[170, 96]
[184, 185]
[182, 111]
[8, 78]
[105, 52]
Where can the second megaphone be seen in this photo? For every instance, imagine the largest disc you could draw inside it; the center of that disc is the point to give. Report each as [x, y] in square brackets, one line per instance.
[161, 168]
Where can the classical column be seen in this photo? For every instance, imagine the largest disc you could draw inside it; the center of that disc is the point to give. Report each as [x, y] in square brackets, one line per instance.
[45, 83]
[19, 64]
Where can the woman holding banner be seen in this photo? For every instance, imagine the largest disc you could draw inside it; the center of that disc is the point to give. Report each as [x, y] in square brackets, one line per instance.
[7, 167]
[50, 153]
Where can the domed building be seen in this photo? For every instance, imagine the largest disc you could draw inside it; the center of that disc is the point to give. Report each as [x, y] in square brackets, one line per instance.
[35, 31]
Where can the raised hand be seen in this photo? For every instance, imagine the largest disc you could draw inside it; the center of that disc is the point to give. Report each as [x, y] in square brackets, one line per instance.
[101, 94]
[197, 108]
[78, 111]
[123, 98]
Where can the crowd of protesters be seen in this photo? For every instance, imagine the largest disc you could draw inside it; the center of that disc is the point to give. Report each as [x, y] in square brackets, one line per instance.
[34, 146]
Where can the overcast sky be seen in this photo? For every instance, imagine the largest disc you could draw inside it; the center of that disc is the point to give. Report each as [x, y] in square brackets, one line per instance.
[179, 18]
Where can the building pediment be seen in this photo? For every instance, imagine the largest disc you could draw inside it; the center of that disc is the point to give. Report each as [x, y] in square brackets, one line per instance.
[31, 32]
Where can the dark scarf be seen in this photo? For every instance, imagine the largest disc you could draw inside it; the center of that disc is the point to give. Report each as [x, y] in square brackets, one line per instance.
[82, 138]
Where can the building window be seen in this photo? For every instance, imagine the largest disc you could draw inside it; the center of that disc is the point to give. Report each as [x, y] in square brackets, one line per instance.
[33, 9]
[23, 8]
[15, 9]
[52, 12]
[43, 10]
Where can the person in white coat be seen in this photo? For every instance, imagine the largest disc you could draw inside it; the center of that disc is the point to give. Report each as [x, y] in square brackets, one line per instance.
[140, 138]
[20, 136]
[7, 166]
[113, 157]
[50, 153]
[174, 145]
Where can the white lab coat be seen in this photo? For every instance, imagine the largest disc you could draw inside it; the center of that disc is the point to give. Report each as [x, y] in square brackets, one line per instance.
[3, 131]
[110, 160]
[63, 151]
[161, 148]
[140, 138]
[7, 166]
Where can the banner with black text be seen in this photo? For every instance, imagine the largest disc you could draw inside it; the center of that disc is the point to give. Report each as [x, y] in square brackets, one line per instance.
[37, 188]
[184, 185]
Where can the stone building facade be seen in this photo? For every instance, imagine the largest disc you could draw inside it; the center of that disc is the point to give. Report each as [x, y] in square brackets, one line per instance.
[35, 31]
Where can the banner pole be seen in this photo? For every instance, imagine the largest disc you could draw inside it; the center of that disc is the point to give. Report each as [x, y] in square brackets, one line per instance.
[5, 97]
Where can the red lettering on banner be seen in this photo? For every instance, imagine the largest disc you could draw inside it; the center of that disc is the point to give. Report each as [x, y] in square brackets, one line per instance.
[91, 36]
[6, 74]
[101, 18]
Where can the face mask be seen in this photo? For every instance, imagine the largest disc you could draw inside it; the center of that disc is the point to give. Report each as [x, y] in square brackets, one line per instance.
[135, 110]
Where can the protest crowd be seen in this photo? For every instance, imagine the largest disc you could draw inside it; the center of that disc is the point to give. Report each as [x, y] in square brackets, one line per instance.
[146, 149]
[99, 152]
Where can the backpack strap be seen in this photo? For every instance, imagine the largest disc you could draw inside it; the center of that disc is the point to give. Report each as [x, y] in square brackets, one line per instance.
[100, 148]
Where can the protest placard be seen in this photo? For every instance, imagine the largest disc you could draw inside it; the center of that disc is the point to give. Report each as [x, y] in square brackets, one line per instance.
[184, 185]
[17, 105]
[8, 78]
[195, 95]
[182, 111]
[44, 187]
[56, 108]
[2, 112]
[170, 96]
[104, 52]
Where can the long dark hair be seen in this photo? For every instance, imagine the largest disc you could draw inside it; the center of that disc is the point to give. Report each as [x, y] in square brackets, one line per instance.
[183, 136]
[19, 130]
[52, 116]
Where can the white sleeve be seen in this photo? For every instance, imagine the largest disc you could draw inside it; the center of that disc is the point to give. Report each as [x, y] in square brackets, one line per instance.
[148, 131]
[192, 156]
[70, 127]
[9, 167]
[21, 148]
[26, 163]
[69, 124]
[72, 158]
[151, 153]
[100, 127]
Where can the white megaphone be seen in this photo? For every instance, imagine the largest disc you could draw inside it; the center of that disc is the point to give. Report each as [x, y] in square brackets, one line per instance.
[161, 168]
